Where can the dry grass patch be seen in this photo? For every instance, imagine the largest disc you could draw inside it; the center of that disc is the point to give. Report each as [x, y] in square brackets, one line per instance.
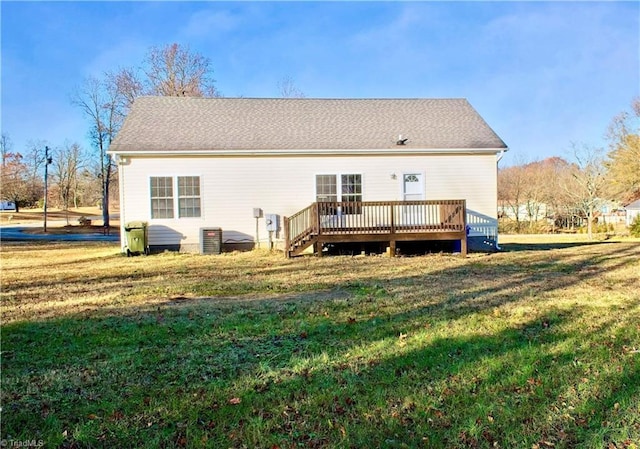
[538, 346]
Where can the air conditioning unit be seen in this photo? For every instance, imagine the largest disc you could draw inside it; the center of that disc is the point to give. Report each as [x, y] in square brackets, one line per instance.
[211, 240]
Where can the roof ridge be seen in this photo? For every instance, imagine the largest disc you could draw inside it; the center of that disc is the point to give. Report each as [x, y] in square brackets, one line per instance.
[309, 98]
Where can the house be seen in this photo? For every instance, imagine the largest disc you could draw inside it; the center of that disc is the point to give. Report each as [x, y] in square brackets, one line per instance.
[301, 172]
[610, 213]
[633, 210]
[530, 210]
[7, 205]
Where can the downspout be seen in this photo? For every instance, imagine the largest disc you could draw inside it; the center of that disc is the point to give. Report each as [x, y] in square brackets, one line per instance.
[500, 156]
[120, 162]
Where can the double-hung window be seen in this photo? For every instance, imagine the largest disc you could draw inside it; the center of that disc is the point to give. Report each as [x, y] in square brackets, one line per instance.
[341, 188]
[351, 187]
[163, 199]
[188, 196]
[326, 191]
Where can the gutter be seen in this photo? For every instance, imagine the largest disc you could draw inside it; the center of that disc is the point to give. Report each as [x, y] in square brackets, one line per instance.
[309, 152]
[499, 158]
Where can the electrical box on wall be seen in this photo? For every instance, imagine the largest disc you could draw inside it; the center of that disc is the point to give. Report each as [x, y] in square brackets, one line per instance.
[257, 212]
[271, 220]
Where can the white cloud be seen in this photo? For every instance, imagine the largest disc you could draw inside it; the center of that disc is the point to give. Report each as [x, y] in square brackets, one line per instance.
[126, 53]
[210, 22]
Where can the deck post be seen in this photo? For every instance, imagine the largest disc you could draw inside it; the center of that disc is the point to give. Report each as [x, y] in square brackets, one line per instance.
[317, 246]
[392, 218]
[315, 218]
[463, 241]
[392, 248]
[287, 239]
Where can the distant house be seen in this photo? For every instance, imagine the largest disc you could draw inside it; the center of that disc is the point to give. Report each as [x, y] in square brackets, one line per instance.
[7, 205]
[306, 172]
[633, 210]
[529, 211]
[611, 213]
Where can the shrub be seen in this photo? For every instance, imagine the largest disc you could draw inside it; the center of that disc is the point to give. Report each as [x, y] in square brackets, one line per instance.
[84, 221]
[635, 227]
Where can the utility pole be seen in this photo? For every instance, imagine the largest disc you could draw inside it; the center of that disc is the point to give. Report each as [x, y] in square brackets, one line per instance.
[47, 160]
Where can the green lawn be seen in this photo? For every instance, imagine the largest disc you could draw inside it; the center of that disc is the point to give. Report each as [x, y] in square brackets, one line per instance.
[534, 347]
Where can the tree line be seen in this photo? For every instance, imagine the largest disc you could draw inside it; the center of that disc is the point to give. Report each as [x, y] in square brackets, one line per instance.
[560, 190]
[72, 175]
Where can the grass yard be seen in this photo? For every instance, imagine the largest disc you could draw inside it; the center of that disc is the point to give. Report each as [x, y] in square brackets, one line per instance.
[536, 347]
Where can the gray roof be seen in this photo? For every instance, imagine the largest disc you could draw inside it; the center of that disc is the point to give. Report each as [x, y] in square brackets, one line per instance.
[183, 124]
[635, 205]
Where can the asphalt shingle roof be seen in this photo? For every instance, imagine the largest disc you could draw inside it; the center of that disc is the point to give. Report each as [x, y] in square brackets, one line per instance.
[174, 124]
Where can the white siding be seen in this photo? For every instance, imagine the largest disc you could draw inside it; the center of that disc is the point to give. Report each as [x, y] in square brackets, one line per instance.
[232, 186]
[631, 215]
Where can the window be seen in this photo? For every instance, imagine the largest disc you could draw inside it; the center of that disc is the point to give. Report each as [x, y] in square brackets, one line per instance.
[163, 201]
[326, 188]
[188, 196]
[349, 187]
[161, 197]
[411, 178]
[352, 192]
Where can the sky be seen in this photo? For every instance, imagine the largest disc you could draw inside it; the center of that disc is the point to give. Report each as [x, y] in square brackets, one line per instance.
[543, 75]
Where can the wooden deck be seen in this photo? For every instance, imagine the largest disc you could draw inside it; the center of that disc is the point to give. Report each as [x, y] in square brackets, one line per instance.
[375, 221]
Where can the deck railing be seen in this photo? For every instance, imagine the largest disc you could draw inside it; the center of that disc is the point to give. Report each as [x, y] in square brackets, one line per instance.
[300, 226]
[374, 217]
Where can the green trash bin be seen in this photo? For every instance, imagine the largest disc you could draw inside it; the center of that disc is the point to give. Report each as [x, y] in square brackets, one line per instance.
[136, 234]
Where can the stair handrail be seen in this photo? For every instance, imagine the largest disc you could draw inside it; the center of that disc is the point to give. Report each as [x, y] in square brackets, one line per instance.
[300, 225]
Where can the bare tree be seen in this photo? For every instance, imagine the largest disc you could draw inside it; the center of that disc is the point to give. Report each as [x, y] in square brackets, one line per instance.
[22, 180]
[32, 161]
[587, 182]
[535, 192]
[5, 146]
[170, 71]
[67, 164]
[512, 191]
[555, 171]
[12, 178]
[100, 102]
[624, 153]
[288, 89]
[175, 71]
[128, 84]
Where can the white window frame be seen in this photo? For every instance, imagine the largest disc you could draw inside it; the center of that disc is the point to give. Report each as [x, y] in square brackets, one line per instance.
[338, 177]
[339, 193]
[188, 197]
[176, 197]
[159, 198]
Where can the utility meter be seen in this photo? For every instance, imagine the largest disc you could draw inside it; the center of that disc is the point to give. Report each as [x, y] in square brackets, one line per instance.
[271, 220]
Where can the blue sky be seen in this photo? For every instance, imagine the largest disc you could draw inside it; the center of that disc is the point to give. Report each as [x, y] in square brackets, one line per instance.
[542, 74]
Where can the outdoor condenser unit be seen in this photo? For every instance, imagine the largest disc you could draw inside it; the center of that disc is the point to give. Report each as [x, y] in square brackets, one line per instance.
[211, 241]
